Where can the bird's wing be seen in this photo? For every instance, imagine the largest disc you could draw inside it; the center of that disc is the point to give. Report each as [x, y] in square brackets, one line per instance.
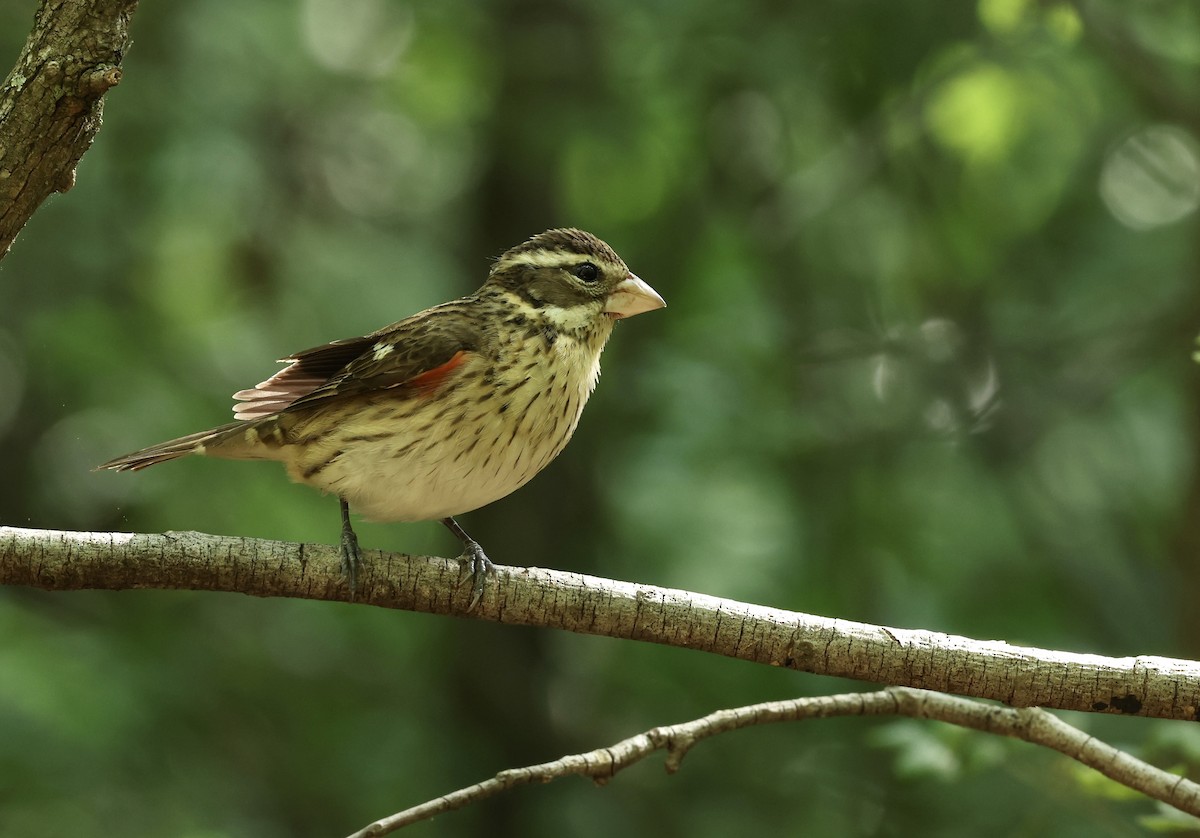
[415, 354]
[305, 372]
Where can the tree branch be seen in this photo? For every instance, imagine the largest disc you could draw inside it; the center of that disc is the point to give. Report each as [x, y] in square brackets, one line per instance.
[1030, 724]
[52, 101]
[1019, 676]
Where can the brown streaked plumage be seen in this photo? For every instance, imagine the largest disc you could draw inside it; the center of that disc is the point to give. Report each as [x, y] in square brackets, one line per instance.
[446, 410]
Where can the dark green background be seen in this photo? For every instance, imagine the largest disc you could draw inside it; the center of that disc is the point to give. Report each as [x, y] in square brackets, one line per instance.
[932, 282]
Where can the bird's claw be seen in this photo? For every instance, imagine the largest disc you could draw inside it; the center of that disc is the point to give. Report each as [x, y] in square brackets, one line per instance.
[479, 566]
[351, 559]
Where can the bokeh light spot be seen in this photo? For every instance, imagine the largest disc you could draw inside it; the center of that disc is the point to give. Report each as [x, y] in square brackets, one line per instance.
[1152, 178]
[977, 113]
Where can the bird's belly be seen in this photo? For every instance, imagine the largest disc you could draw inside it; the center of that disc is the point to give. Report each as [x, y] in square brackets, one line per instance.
[421, 460]
[384, 482]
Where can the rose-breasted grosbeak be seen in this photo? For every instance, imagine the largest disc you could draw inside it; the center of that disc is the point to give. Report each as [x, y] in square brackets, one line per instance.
[447, 410]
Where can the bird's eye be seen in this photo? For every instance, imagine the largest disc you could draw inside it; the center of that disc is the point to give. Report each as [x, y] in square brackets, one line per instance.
[587, 272]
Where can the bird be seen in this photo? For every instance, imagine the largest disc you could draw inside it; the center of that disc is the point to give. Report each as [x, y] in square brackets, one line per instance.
[443, 412]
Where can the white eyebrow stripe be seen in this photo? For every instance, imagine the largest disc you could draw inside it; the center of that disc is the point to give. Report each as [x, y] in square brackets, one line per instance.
[546, 259]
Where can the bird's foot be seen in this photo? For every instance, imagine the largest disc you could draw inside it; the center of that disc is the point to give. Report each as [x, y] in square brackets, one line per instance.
[351, 560]
[479, 566]
[474, 559]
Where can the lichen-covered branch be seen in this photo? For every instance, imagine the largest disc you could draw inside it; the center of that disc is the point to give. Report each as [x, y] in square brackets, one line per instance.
[51, 103]
[1018, 676]
[1030, 724]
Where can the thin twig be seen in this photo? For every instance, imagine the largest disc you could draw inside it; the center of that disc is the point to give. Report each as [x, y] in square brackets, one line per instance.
[1030, 724]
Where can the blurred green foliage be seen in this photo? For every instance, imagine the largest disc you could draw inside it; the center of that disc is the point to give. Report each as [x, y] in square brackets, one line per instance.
[932, 276]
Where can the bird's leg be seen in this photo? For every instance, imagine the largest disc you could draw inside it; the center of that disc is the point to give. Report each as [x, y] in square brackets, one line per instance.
[351, 554]
[474, 558]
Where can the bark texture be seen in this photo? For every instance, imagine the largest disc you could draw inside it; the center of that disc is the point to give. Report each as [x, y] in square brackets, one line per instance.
[52, 102]
[1019, 676]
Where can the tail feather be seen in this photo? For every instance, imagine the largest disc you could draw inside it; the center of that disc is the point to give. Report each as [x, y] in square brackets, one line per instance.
[197, 443]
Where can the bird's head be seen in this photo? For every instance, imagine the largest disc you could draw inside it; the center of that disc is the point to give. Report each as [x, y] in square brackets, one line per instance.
[573, 279]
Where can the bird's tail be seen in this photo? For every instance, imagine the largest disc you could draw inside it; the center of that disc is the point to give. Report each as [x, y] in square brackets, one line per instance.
[226, 441]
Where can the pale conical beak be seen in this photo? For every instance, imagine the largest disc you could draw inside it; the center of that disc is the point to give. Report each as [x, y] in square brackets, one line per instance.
[630, 297]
